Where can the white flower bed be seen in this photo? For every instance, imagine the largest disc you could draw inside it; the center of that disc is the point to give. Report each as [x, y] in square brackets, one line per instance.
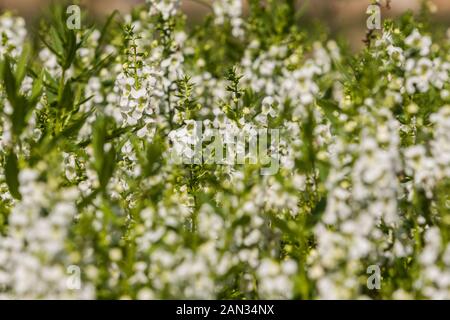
[243, 157]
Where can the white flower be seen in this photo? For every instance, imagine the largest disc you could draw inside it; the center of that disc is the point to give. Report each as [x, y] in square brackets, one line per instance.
[416, 41]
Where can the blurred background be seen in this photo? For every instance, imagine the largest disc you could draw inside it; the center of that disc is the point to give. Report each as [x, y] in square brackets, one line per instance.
[344, 16]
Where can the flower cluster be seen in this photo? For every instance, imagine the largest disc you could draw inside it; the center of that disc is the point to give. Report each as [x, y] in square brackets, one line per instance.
[351, 174]
[229, 11]
[13, 33]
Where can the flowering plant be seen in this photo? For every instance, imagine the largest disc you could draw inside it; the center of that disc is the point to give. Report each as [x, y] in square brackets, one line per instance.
[109, 189]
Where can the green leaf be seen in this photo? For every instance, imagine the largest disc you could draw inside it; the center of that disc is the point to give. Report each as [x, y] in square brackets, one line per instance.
[104, 32]
[19, 115]
[18, 102]
[87, 73]
[72, 128]
[329, 107]
[98, 141]
[154, 158]
[22, 64]
[10, 81]
[57, 40]
[36, 90]
[12, 175]
[104, 157]
[108, 166]
[70, 49]
[67, 98]
[51, 45]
